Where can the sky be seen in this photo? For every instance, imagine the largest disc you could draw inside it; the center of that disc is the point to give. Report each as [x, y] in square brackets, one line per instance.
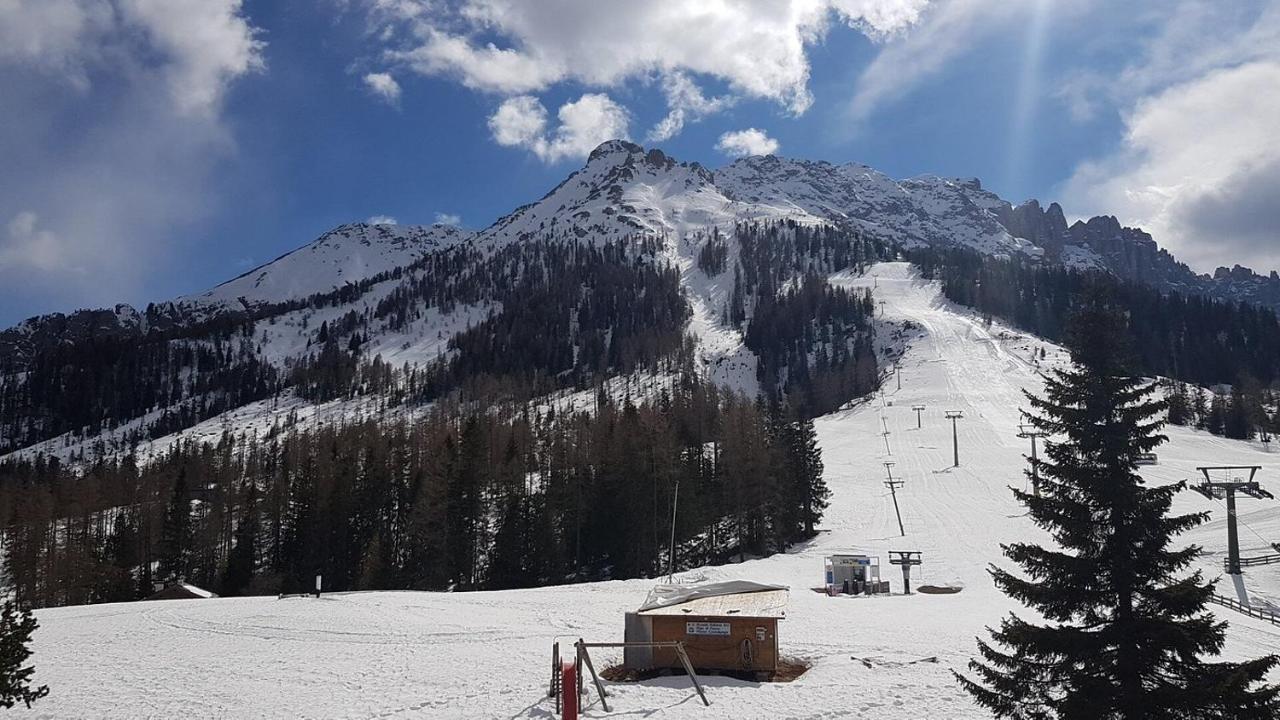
[153, 148]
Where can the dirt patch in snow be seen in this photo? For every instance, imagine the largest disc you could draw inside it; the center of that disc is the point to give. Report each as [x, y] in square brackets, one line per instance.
[939, 589]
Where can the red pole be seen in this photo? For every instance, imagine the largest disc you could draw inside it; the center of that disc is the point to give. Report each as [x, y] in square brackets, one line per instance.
[569, 690]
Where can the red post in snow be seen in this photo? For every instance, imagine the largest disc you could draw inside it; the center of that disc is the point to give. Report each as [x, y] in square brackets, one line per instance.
[569, 690]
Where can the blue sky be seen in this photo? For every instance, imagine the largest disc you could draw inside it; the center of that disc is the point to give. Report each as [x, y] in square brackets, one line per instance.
[158, 147]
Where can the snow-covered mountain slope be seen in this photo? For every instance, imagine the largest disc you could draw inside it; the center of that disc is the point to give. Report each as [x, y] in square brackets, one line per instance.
[486, 655]
[622, 191]
[346, 254]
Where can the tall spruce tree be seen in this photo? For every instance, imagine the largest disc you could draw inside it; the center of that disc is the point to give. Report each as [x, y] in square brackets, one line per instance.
[1126, 627]
[1238, 423]
[176, 534]
[242, 561]
[16, 627]
[814, 495]
[1180, 409]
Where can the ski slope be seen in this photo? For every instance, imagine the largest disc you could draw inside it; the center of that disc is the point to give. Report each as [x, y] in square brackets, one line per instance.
[486, 655]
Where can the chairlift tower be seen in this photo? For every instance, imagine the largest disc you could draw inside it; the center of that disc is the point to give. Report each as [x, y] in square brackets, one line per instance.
[897, 373]
[884, 423]
[905, 558]
[919, 409]
[1228, 488]
[1031, 431]
[893, 486]
[671, 551]
[953, 416]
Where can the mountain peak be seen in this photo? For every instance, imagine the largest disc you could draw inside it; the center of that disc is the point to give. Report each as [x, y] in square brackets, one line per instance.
[615, 147]
[347, 253]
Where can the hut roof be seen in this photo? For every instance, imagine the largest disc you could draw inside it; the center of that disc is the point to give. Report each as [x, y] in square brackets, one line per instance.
[734, 598]
[182, 591]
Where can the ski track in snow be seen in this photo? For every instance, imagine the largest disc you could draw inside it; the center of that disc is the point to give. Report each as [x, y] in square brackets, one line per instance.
[486, 654]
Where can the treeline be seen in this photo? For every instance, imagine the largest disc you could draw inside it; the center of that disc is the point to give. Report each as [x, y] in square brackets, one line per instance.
[562, 314]
[459, 499]
[814, 346]
[713, 255]
[813, 342]
[1189, 338]
[102, 382]
[1245, 411]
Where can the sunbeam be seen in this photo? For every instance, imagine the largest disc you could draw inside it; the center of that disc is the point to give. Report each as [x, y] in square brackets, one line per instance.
[1029, 83]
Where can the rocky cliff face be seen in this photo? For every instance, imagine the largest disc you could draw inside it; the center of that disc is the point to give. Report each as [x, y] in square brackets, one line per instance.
[1103, 243]
[23, 340]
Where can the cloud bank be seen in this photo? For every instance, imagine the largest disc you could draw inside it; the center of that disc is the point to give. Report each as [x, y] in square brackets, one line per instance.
[112, 117]
[1199, 164]
[514, 49]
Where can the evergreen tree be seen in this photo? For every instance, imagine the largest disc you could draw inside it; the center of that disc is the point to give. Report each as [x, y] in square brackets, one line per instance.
[117, 583]
[1126, 626]
[175, 537]
[1179, 402]
[1216, 421]
[509, 561]
[16, 627]
[242, 561]
[1238, 421]
[466, 504]
[811, 492]
[1200, 409]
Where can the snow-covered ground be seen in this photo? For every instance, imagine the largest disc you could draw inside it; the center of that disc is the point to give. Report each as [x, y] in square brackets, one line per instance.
[487, 655]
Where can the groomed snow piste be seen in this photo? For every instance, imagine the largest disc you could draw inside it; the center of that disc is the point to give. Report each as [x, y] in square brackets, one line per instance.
[487, 655]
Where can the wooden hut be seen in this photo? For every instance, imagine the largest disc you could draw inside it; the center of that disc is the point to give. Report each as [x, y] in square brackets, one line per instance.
[729, 626]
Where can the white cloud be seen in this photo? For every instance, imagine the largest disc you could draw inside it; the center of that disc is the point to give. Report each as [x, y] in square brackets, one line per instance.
[383, 86]
[480, 68]
[448, 219]
[758, 48]
[742, 143]
[201, 44]
[521, 121]
[381, 220]
[943, 33]
[1199, 36]
[1182, 40]
[143, 82]
[686, 103]
[27, 247]
[56, 36]
[206, 44]
[878, 19]
[1195, 162]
